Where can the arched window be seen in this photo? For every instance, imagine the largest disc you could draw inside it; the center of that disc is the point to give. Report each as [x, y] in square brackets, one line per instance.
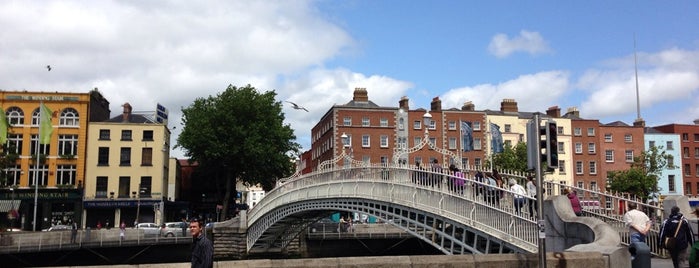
[15, 115]
[35, 117]
[69, 117]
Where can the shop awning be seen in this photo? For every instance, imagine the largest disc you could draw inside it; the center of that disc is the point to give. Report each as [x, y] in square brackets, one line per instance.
[6, 205]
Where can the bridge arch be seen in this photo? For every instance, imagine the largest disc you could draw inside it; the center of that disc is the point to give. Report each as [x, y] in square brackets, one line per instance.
[453, 222]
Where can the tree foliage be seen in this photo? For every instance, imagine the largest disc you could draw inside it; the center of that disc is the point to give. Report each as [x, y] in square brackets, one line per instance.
[238, 134]
[512, 158]
[641, 179]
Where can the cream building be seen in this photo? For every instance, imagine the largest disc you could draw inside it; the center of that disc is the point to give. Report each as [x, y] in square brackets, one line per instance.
[127, 170]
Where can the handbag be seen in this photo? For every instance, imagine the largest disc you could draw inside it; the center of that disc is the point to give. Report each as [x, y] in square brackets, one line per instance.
[669, 242]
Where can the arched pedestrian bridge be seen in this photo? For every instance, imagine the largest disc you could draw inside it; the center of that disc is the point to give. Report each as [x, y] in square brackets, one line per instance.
[430, 205]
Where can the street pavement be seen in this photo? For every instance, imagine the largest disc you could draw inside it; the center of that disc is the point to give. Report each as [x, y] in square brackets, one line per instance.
[665, 263]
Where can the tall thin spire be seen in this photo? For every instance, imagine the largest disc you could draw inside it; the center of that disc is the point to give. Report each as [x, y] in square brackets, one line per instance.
[639, 121]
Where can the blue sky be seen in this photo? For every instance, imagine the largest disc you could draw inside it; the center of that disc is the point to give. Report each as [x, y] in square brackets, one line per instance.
[314, 53]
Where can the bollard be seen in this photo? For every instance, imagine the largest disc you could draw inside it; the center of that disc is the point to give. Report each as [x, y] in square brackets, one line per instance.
[640, 255]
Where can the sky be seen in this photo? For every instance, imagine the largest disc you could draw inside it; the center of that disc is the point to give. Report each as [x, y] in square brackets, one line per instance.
[314, 53]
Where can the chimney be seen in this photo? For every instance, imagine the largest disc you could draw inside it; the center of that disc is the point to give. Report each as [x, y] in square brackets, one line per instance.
[508, 105]
[360, 94]
[468, 106]
[639, 122]
[403, 103]
[127, 112]
[573, 111]
[436, 104]
[696, 121]
[554, 112]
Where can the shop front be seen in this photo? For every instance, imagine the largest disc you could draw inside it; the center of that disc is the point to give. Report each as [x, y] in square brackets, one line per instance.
[110, 213]
[55, 206]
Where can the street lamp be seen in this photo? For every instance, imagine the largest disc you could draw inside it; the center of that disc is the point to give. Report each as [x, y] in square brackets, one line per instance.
[428, 121]
[345, 140]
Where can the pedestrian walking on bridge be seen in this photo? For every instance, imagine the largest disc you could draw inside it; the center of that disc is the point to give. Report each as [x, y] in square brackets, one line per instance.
[202, 248]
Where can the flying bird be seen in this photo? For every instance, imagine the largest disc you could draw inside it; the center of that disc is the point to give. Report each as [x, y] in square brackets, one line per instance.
[297, 107]
[48, 67]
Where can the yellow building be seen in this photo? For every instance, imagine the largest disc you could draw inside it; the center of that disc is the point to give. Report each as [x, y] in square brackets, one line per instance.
[60, 169]
[128, 170]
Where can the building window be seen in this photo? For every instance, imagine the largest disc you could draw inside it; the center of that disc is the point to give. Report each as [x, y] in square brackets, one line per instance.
[146, 156]
[145, 186]
[685, 136]
[476, 143]
[671, 183]
[101, 187]
[13, 175]
[696, 152]
[15, 116]
[104, 134]
[103, 156]
[43, 148]
[593, 186]
[452, 143]
[476, 126]
[35, 117]
[688, 188]
[591, 147]
[416, 141]
[687, 170]
[608, 137]
[401, 124]
[628, 138]
[418, 160]
[508, 128]
[651, 144]
[433, 141]
[629, 155]
[581, 184]
[593, 167]
[384, 141]
[590, 132]
[578, 167]
[124, 187]
[125, 158]
[670, 162]
[65, 174]
[366, 142]
[561, 166]
[366, 122]
[577, 131]
[148, 135]
[69, 117]
[696, 169]
[578, 148]
[14, 143]
[696, 137]
[67, 145]
[561, 148]
[126, 135]
[43, 173]
[477, 162]
[669, 146]
[685, 152]
[433, 124]
[347, 121]
[609, 156]
[417, 124]
[383, 122]
[452, 125]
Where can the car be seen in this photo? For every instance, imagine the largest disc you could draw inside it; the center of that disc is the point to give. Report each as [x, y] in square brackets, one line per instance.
[59, 227]
[149, 228]
[325, 225]
[174, 229]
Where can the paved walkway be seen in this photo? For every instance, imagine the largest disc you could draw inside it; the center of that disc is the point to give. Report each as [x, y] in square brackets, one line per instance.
[664, 263]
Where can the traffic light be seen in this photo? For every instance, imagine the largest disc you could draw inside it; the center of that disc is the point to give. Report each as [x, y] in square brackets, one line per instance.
[551, 144]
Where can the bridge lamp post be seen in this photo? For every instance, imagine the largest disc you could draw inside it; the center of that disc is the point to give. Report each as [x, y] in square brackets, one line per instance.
[428, 122]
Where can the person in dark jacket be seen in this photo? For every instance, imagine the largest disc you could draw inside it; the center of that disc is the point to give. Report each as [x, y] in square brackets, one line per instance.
[683, 235]
[202, 248]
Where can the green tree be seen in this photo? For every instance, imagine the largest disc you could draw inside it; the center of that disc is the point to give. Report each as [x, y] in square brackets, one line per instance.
[512, 158]
[641, 179]
[238, 134]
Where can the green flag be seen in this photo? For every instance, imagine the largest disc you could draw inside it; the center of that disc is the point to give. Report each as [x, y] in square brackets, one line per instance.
[45, 127]
[3, 127]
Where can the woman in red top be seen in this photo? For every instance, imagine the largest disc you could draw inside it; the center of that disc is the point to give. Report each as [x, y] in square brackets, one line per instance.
[574, 201]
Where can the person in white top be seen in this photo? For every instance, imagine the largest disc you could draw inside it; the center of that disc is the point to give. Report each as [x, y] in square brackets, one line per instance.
[531, 192]
[519, 194]
[638, 223]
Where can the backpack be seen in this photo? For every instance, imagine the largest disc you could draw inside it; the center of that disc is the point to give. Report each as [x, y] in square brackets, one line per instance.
[694, 255]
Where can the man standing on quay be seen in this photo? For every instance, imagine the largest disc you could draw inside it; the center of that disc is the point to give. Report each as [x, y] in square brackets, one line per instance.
[202, 249]
[638, 223]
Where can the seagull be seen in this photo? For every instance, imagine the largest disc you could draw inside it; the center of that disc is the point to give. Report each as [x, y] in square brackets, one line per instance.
[297, 107]
[48, 67]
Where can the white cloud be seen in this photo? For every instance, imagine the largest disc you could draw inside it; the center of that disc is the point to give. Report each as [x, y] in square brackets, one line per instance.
[663, 77]
[531, 42]
[533, 92]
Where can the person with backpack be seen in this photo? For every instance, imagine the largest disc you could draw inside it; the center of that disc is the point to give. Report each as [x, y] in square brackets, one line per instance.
[675, 235]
